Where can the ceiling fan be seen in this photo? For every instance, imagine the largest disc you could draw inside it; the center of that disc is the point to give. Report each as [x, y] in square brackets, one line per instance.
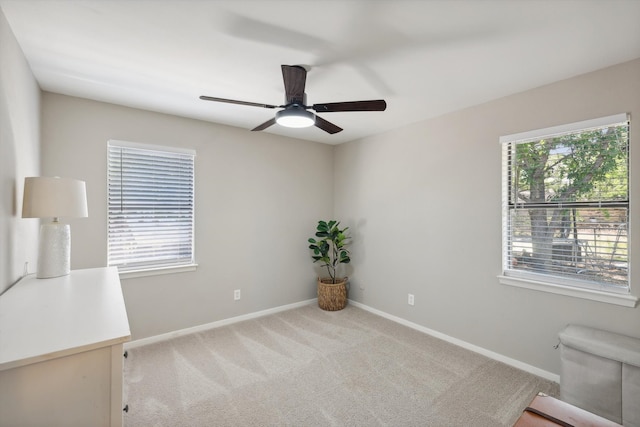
[295, 112]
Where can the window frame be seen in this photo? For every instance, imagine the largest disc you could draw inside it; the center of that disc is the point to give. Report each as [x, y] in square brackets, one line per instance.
[152, 268]
[548, 282]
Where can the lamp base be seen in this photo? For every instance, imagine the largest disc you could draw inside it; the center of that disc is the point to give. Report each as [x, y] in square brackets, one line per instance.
[54, 250]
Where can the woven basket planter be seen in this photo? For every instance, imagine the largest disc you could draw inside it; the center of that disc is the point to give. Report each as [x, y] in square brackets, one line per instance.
[332, 296]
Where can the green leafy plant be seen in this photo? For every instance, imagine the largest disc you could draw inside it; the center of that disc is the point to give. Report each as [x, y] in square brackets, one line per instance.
[330, 246]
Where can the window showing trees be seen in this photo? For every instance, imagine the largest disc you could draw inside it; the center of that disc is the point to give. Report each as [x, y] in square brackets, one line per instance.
[566, 204]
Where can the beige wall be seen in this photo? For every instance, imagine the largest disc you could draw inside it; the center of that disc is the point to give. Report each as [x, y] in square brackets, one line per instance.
[258, 198]
[424, 202]
[19, 157]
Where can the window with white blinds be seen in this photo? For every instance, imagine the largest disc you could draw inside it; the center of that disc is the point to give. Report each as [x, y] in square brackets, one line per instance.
[566, 205]
[150, 206]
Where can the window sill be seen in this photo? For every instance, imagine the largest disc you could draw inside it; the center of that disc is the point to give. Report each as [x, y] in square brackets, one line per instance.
[157, 271]
[625, 300]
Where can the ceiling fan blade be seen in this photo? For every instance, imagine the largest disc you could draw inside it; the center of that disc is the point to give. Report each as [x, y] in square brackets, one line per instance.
[295, 78]
[265, 124]
[327, 126]
[377, 105]
[233, 101]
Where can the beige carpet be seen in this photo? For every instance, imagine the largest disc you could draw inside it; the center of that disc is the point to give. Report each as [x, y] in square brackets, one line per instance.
[308, 367]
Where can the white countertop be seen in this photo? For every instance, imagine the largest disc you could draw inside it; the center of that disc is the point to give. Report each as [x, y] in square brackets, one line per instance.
[42, 319]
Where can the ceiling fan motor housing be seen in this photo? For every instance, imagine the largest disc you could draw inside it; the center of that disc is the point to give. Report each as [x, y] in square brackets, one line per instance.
[296, 100]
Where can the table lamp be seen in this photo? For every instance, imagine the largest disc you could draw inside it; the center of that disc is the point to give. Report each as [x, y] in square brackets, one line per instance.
[53, 197]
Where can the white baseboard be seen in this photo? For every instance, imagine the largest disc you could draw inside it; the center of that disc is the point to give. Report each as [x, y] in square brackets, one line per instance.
[200, 328]
[483, 351]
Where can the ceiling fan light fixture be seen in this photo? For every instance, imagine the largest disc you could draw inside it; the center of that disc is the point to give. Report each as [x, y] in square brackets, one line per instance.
[295, 117]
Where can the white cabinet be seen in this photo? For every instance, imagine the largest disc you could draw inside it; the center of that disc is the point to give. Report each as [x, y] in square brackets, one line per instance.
[61, 350]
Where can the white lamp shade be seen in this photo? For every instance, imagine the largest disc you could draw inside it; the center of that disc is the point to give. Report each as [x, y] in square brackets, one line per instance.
[54, 197]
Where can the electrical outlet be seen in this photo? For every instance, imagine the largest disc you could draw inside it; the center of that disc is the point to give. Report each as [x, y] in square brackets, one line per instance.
[236, 294]
[411, 299]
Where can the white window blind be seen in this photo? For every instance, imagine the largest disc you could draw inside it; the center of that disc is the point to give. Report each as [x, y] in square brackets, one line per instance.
[566, 204]
[150, 206]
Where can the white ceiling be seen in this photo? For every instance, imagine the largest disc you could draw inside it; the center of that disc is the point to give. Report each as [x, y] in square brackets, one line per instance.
[425, 58]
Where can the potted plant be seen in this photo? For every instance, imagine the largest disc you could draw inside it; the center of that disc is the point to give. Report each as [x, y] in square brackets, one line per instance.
[329, 247]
